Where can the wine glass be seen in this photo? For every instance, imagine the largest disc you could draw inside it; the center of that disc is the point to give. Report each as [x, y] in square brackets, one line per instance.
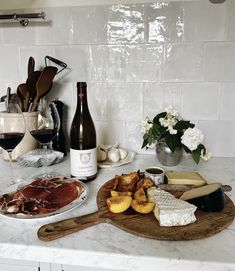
[45, 128]
[12, 130]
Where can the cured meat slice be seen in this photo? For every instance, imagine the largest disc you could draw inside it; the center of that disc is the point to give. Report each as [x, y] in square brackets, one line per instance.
[62, 195]
[42, 196]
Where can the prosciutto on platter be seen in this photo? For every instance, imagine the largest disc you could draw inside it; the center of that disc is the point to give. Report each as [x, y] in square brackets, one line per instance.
[41, 196]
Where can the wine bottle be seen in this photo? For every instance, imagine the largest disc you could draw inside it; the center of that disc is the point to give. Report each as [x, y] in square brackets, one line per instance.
[83, 157]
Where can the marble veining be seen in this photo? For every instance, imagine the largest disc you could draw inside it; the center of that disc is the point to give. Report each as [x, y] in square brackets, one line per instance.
[106, 246]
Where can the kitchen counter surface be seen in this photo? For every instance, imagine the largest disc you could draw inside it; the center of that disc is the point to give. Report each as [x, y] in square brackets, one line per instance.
[108, 247]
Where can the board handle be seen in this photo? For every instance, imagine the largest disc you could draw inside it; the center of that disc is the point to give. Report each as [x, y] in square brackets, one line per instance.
[65, 227]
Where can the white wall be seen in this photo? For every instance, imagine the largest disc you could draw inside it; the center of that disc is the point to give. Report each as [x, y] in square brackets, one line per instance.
[137, 59]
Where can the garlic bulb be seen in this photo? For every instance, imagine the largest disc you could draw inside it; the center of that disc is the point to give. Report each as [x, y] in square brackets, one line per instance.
[123, 153]
[101, 154]
[114, 155]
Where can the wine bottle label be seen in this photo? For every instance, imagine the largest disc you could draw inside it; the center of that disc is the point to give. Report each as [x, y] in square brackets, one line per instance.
[83, 162]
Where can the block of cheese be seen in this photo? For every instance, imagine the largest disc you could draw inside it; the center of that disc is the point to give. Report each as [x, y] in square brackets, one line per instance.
[170, 211]
[184, 177]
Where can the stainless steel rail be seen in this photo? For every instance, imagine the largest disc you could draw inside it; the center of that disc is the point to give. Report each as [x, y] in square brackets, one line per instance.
[22, 18]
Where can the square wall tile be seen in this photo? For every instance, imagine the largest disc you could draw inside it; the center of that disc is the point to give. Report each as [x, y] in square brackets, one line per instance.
[125, 23]
[164, 22]
[88, 25]
[144, 63]
[159, 96]
[14, 33]
[108, 63]
[183, 62]
[204, 21]
[230, 30]
[76, 57]
[38, 53]
[110, 132]
[220, 61]
[200, 101]
[9, 66]
[133, 137]
[115, 101]
[56, 28]
[219, 137]
[98, 100]
[227, 101]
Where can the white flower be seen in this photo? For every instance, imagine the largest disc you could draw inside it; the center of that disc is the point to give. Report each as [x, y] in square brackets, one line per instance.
[172, 131]
[145, 125]
[164, 122]
[170, 110]
[191, 138]
[205, 155]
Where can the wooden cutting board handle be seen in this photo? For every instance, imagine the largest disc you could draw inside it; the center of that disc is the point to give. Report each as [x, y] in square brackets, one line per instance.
[62, 228]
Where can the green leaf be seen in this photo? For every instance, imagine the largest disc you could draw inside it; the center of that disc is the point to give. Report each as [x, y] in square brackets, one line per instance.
[183, 125]
[157, 117]
[171, 141]
[145, 143]
[196, 154]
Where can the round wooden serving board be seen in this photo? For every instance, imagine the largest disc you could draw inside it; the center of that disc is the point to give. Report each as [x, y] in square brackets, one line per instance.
[207, 224]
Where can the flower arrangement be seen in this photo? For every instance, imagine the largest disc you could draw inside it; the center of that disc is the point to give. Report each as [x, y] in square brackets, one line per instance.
[177, 132]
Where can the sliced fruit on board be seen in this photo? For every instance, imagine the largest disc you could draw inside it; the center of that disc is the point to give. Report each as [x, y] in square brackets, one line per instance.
[143, 207]
[140, 195]
[119, 204]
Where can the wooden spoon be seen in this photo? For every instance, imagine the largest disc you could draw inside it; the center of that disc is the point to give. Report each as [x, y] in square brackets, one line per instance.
[31, 83]
[23, 94]
[44, 83]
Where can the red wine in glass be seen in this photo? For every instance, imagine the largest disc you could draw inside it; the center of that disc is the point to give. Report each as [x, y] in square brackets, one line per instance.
[12, 131]
[46, 127]
[44, 136]
[8, 141]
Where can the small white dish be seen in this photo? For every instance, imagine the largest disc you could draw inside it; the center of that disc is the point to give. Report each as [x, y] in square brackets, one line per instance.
[37, 158]
[107, 164]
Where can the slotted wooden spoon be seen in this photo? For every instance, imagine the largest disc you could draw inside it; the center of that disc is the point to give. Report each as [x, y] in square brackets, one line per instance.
[44, 83]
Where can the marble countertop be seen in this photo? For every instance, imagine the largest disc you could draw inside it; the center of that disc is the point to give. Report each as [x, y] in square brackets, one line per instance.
[108, 247]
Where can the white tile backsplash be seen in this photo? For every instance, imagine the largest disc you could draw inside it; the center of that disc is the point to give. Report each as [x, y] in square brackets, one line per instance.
[88, 25]
[227, 101]
[200, 101]
[56, 28]
[164, 22]
[137, 59]
[125, 23]
[220, 61]
[144, 63]
[204, 21]
[183, 62]
[230, 30]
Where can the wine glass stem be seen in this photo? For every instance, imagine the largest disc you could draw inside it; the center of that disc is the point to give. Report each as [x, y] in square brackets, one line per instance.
[45, 147]
[11, 178]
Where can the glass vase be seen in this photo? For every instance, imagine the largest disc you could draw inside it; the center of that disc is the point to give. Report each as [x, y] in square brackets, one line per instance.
[165, 156]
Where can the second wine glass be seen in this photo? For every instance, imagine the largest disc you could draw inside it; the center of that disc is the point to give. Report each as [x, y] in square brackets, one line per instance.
[46, 127]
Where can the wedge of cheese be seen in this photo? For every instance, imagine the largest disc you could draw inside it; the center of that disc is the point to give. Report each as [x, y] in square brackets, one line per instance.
[170, 211]
[184, 177]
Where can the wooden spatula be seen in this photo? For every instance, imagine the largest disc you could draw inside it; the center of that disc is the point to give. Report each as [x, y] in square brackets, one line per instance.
[23, 94]
[31, 65]
[44, 83]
